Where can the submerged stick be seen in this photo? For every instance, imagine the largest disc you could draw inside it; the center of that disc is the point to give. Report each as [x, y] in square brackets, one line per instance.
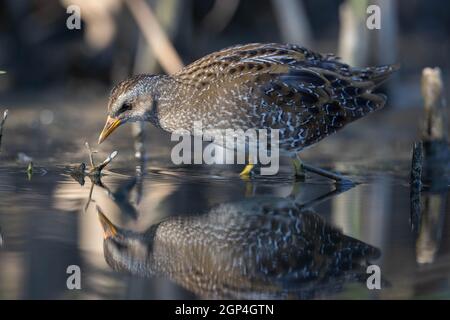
[416, 185]
[2, 122]
[416, 166]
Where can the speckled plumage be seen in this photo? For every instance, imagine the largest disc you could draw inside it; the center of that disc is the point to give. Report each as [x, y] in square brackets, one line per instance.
[264, 247]
[306, 95]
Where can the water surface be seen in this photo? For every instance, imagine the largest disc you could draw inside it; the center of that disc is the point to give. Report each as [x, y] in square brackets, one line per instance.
[201, 231]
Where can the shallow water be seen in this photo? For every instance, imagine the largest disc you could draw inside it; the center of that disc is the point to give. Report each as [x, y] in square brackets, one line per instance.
[213, 235]
[201, 231]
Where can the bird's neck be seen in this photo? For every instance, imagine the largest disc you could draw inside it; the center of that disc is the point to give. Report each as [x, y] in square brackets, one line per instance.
[172, 98]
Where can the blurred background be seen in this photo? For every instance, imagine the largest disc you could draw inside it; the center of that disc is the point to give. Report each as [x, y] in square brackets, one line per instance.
[50, 65]
[56, 89]
[40, 52]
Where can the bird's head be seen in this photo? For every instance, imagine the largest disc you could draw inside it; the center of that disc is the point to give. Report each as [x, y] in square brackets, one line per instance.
[126, 250]
[130, 100]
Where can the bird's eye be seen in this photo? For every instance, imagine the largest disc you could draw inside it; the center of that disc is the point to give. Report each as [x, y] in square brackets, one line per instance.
[124, 107]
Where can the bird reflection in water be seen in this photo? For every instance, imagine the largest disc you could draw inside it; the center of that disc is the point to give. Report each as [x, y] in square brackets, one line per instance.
[256, 248]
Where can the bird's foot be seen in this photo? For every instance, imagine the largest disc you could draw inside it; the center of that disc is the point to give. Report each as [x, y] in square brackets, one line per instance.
[247, 172]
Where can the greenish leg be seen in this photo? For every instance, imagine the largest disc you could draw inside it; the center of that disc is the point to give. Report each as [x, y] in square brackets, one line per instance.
[298, 167]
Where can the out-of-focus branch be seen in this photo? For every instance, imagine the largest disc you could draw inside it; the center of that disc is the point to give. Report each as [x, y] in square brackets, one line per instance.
[386, 37]
[156, 37]
[436, 123]
[99, 19]
[293, 21]
[353, 33]
[220, 15]
[168, 14]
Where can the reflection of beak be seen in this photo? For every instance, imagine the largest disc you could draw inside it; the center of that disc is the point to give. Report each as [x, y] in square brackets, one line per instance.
[109, 230]
[110, 126]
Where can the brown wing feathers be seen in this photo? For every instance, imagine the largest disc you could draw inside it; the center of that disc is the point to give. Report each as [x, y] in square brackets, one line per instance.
[321, 93]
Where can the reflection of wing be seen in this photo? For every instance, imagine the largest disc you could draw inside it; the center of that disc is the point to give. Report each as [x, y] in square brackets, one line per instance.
[260, 248]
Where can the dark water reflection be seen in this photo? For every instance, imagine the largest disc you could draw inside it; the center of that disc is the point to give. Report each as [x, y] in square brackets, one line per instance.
[202, 232]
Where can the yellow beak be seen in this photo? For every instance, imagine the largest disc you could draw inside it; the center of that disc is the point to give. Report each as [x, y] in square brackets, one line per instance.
[110, 126]
[109, 229]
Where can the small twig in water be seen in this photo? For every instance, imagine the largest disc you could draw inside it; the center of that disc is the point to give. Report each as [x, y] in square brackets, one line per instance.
[91, 154]
[94, 172]
[2, 122]
[97, 169]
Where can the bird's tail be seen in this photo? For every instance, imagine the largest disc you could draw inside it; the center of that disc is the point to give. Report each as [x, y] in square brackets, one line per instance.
[364, 100]
[377, 75]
